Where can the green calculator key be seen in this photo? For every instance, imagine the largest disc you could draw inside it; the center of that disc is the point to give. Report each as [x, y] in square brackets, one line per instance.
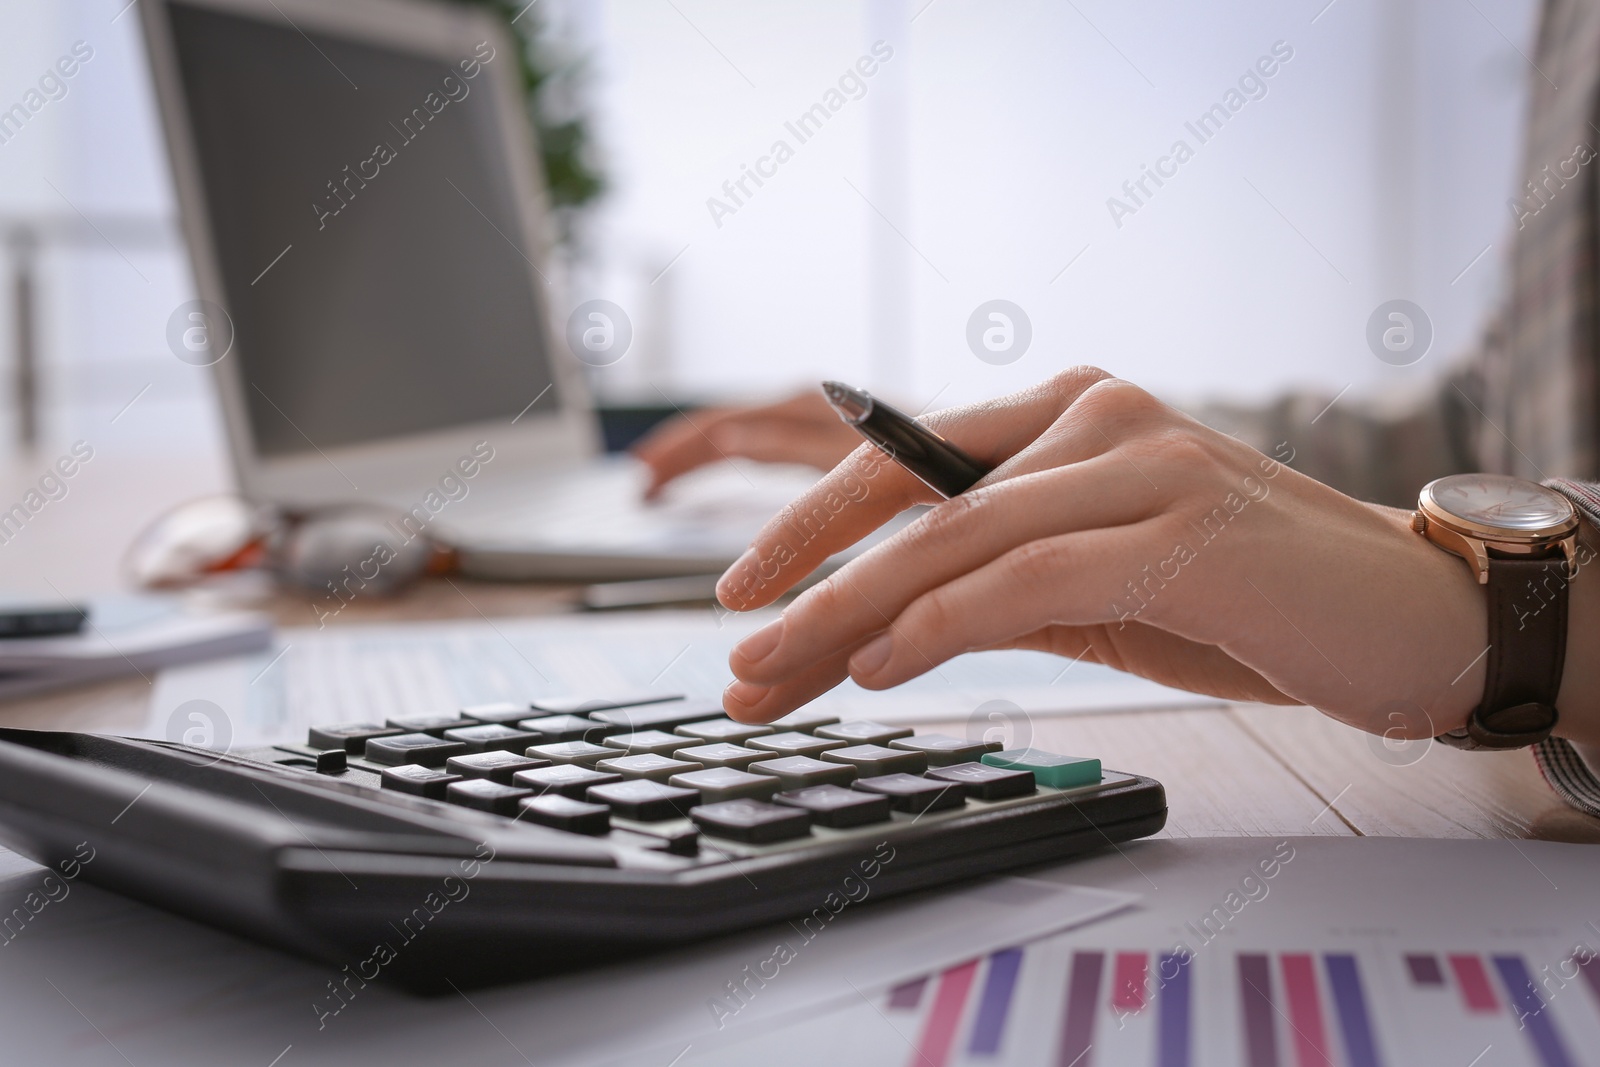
[1049, 768]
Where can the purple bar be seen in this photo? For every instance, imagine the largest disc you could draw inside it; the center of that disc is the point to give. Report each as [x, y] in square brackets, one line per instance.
[1354, 1023]
[907, 995]
[1172, 1012]
[1531, 1014]
[1083, 994]
[995, 1002]
[1255, 998]
[1425, 970]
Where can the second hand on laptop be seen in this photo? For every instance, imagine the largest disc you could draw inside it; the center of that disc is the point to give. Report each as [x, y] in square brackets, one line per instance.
[940, 465]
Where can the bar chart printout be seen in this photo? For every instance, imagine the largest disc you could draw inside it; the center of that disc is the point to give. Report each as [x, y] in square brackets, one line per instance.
[1075, 1007]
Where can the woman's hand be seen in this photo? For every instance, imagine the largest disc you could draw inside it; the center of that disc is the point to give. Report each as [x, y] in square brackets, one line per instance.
[1117, 530]
[802, 429]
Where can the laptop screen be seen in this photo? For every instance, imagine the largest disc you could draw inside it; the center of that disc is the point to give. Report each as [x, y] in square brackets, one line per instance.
[362, 210]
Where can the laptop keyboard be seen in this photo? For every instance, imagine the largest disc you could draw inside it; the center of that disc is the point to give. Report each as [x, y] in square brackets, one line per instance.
[670, 775]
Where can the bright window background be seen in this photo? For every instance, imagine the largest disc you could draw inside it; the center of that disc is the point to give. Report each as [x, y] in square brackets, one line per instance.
[976, 166]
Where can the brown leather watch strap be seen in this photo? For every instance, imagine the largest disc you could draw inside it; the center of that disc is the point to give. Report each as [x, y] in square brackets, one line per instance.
[1527, 650]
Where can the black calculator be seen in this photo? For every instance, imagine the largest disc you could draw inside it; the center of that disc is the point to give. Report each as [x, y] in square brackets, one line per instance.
[510, 840]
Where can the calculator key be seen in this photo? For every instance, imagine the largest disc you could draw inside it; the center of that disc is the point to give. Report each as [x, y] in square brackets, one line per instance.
[655, 768]
[803, 721]
[563, 780]
[723, 730]
[418, 781]
[790, 743]
[324, 760]
[425, 749]
[575, 705]
[496, 766]
[797, 772]
[645, 800]
[581, 753]
[556, 728]
[873, 760]
[723, 755]
[942, 750]
[648, 743]
[1049, 768]
[505, 713]
[981, 782]
[913, 794]
[836, 807]
[864, 732]
[751, 821]
[350, 736]
[481, 794]
[665, 716]
[492, 737]
[429, 724]
[564, 813]
[676, 836]
[717, 784]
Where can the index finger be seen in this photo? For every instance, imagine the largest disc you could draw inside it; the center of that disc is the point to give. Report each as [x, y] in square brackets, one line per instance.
[868, 489]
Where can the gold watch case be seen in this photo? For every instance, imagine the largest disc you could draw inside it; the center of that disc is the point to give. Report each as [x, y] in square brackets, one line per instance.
[1475, 516]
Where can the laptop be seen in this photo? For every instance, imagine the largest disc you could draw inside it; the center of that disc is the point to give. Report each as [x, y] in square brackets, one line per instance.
[378, 307]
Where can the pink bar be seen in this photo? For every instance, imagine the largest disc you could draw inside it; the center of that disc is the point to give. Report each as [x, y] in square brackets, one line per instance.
[1128, 982]
[944, 1017]
[1309, 1035]
[1473, 979]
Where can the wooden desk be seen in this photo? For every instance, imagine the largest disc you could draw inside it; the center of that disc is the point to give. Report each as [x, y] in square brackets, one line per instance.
[1238, 771]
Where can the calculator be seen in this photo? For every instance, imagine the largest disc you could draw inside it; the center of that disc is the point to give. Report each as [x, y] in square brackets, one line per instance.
[509, 840]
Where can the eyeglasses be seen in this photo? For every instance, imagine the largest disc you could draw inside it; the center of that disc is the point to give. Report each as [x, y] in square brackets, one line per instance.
[318, 549]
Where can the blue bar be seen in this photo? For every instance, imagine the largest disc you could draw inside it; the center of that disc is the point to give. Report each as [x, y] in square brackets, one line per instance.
[1354, 1023]
[1531, 1014]
[995, 1003]
[1172, 1011]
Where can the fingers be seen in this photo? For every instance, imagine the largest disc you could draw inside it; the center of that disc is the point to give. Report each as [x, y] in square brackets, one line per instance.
[866, 490]
[745, 702]
[955, 538]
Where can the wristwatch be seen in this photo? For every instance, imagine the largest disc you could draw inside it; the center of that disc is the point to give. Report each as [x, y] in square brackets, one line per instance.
[1520, 539]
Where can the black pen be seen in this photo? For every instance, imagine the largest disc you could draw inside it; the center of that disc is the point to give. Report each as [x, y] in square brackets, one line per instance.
[940, 465]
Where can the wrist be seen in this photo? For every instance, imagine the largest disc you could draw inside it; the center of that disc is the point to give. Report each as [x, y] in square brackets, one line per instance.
[1579, 699]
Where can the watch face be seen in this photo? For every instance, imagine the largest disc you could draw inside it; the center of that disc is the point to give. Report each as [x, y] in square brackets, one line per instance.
[1501, 502]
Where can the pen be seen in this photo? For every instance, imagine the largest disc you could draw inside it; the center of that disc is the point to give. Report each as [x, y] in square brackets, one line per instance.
[940, 465]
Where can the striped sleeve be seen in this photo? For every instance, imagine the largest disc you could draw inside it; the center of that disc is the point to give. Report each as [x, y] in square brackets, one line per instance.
[1575, 779]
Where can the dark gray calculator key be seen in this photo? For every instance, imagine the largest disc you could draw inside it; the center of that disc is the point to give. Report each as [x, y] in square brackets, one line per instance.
[578, 705]
[492, 737]
[677, 838]
[790, 743]
[567, 781]
[667, 716]
[418, 781]
[943, 750]
[982, 782]
[836, 807]
[644, 800]
[429, 724]
[481, 794]
[504, 712]
[797, 772]
[350, 736]
[870, 761]
[717, 784]
[914, 794]
[804, 721]
[864, 732]
[722, 730]
[723, 754]
[655, 768]
[324, 760]
[425, 749]
[751, 821]
[581, 753]
[564, 813]
[495, 766]
[554, 728]
[648, 743]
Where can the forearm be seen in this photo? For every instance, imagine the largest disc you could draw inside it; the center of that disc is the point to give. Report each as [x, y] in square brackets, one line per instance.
[1579, 699]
